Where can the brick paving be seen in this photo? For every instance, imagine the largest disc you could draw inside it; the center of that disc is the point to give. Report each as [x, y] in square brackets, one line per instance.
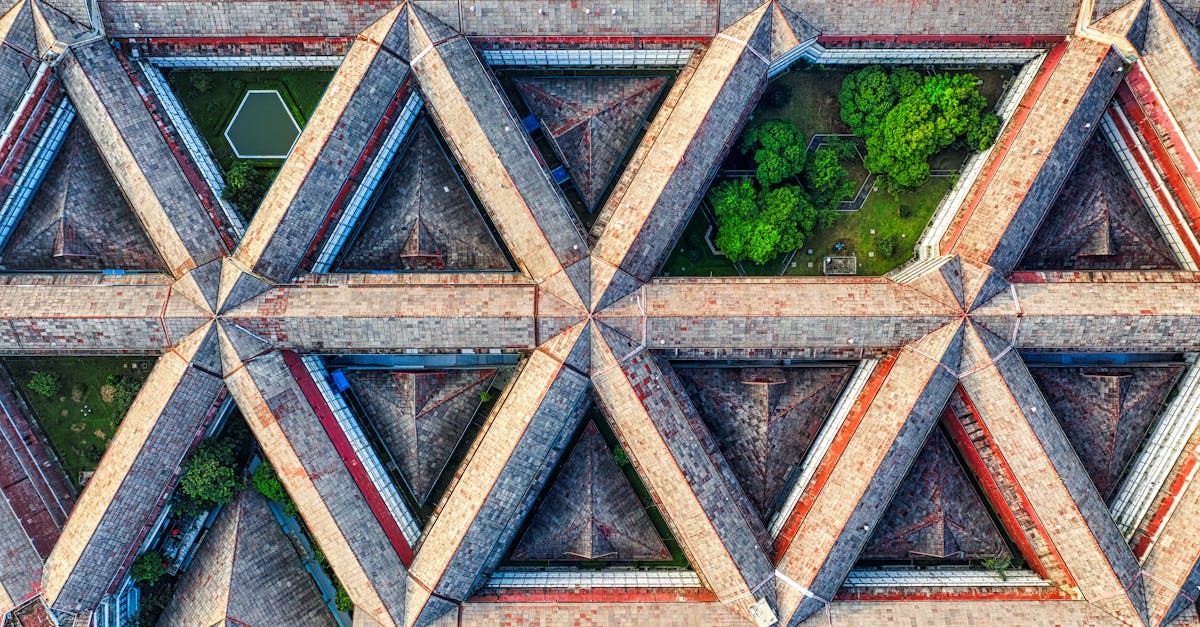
[137, 152]
[881, 435]
[1064, 499]
[1098, 222]
[78, 220]
[1106, 413]
[424, 219]
[936, 514]
[664, 180]
[495, 486]
[764, 419]
[246, 572]
[592, 122]
[497, 156]
[332, 146]
[421, 416]
[590, 512]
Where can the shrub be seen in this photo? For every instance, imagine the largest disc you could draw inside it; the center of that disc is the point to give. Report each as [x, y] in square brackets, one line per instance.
[45, 383]
[245, 187]
[904, 210]
[620, 456]
[124, 391]
[149, 567]
[484, 396]
[886, 245]
[266, 482]
[342, 598]
[208, 475]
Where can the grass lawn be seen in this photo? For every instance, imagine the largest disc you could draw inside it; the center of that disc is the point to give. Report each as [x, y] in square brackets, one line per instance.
[879, 213]
[692, 244]
[81, 419]
[211, 98]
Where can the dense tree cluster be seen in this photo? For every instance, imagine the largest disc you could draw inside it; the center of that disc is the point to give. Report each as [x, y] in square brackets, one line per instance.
[906, 118]
[788, 197]
[208, 477]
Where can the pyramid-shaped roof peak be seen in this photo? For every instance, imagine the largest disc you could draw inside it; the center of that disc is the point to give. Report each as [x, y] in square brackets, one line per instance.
[247, 572]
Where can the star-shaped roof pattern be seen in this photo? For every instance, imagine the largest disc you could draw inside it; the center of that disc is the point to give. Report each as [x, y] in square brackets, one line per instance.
[941, 342]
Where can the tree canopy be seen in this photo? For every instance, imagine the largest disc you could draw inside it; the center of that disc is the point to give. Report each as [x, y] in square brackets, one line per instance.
[779, 150]
[758, 225]
[208, 474]
[905, 120]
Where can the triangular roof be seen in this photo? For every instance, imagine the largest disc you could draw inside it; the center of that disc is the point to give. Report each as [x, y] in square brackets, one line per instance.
[247, 572]
[1106, 412]
[764, 419]
[421, 416]
[592, 121]
[79, 220]
[590, 512]
[1098, 222]
[425, 219]
[936, 514]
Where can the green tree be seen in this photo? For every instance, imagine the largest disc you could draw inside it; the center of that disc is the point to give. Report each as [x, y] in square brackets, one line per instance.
[780, 150]
[45, 383]
[826, 179]
[905, 122]
[758, 226]
[245, 187]
[868, 94]
[208, 475]
[149, 567]
[266, 482]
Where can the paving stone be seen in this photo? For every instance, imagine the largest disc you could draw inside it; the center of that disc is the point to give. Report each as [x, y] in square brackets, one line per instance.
[591, 512]
[424, 218]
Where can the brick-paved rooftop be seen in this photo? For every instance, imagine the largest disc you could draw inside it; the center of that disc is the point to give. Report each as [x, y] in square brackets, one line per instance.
[1106, 412]
[421, 416]
[78, 219]
[18, 54]
[134, 477]
[424, 219]
[595, 319]
[590, 512]
[247, 572]
[764, 419]
[31, 479]
[137, 152]
[1034, 154]
[936, 514]
[1098, 222]
[500, 18]
[592, 121]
